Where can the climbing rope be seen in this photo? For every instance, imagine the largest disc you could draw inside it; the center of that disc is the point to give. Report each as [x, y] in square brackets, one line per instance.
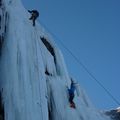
[83, 66]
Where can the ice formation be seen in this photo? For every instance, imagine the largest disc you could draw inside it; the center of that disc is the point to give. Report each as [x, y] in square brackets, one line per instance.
[33, 75]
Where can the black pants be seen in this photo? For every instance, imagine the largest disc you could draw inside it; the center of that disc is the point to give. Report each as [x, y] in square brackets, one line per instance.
[71, 97]
[33, 19]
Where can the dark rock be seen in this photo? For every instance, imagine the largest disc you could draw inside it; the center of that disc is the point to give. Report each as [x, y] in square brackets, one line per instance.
[114, 114]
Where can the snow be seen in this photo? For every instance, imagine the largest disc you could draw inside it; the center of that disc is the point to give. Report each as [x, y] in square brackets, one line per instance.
[28, 93]
[118, 108]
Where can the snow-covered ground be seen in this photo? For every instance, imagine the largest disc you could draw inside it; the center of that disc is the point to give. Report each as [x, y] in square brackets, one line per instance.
[33, 75]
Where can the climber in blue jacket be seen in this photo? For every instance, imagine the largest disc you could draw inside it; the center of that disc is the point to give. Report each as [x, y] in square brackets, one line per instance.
[71, 93]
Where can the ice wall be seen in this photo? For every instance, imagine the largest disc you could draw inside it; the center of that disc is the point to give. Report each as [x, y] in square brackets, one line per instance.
[3, 22]
[33, 75]
[22, 79]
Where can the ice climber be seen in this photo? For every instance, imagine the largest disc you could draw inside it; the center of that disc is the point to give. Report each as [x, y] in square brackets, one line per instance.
[34, 15]
[71, 93]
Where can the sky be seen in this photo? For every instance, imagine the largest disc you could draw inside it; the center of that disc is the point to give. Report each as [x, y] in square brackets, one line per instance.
[91, 30]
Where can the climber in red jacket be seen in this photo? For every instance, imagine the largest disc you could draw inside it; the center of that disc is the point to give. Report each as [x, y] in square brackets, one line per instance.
[34, 15]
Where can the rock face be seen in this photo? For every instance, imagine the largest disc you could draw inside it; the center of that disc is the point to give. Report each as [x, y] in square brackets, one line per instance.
[33, 75]
[114, 114]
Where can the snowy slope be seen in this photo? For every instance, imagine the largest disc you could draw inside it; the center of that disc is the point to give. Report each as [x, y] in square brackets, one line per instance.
[33, 75]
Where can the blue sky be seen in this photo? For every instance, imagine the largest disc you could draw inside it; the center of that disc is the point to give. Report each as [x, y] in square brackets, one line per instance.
[91, 30]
